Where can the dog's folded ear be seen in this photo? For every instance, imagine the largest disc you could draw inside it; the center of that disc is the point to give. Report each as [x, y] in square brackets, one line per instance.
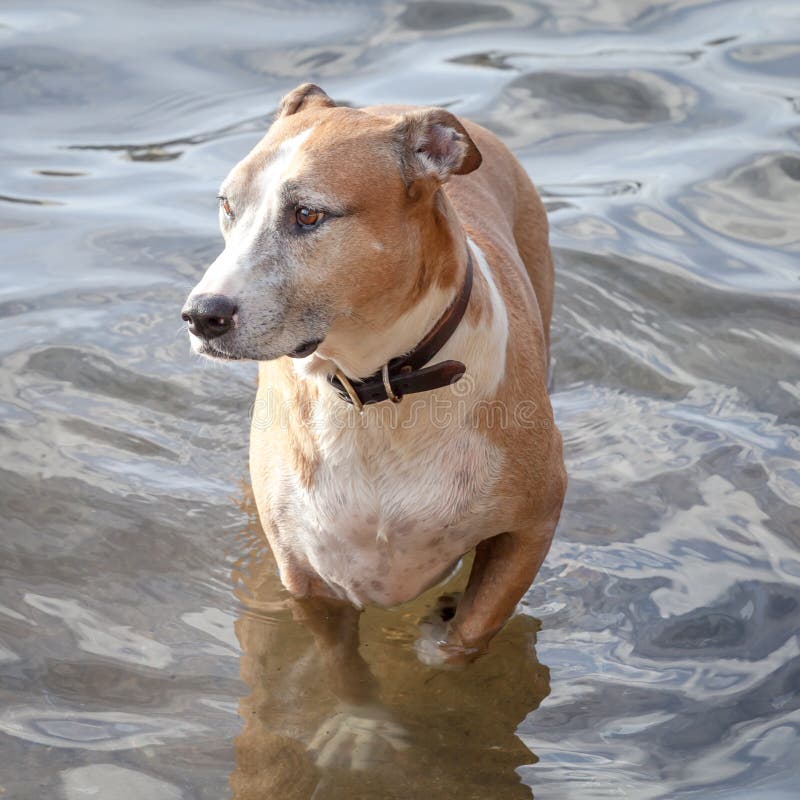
[303, 97]
[434, 144]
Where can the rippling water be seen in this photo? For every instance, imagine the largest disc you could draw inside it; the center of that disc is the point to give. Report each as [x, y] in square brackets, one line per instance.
[145, 649]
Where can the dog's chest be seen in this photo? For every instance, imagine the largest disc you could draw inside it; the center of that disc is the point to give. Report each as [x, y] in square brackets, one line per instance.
[384, 520]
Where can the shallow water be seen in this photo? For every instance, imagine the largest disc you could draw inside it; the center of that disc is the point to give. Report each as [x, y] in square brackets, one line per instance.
[140, 618]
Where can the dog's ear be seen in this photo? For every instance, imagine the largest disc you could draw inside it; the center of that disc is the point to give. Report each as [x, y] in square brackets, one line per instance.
[303, 97]
[434, 145]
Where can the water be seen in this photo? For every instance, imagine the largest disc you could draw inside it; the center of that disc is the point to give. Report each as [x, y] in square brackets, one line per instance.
[140, 618]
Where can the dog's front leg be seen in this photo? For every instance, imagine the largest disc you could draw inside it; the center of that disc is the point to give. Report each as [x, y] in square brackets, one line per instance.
[362, 731]
[503, 569]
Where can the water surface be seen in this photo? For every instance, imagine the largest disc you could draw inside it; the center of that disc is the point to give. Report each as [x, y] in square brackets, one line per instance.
[146, 649]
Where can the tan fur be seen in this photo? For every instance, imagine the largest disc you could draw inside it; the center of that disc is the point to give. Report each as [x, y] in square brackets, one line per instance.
[382, 273]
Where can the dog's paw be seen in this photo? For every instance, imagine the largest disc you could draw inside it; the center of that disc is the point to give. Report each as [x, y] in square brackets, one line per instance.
[435, 646]
[358, 738]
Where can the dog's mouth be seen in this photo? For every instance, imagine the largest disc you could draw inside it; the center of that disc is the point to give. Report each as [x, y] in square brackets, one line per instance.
[305, 349]
[214, 351]
[207, 349]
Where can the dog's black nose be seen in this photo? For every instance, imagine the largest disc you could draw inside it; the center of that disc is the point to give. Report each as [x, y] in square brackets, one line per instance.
[209, 315]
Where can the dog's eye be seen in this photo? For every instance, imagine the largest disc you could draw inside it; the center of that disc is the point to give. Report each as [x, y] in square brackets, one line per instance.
[226, 206]
[307, 217]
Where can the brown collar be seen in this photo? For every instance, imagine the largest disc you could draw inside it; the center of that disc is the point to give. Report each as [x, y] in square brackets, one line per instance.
[408, 374]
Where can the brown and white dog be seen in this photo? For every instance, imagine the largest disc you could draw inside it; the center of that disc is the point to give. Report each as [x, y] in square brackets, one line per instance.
[350, 235]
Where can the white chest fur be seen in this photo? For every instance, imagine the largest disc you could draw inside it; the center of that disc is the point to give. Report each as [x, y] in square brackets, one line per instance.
[382, 524]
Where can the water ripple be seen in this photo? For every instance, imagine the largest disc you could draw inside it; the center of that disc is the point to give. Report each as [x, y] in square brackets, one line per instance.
[138, 611]
[103, 731]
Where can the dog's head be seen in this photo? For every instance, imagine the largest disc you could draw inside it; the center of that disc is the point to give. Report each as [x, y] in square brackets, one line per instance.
[324, 224]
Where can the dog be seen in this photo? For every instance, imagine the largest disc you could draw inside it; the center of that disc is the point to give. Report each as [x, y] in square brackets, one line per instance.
[389, 270]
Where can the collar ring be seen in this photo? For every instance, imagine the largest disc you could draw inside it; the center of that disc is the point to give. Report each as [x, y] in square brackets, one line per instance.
[387, 384]
[350, 389]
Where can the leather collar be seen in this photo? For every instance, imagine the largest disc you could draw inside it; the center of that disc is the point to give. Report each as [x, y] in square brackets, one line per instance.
[408, 374]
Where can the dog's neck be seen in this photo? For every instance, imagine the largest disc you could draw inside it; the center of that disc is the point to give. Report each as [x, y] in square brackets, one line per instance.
[359, 348]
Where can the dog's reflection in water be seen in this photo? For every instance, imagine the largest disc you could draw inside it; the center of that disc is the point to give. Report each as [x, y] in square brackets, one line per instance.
[329, 717]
